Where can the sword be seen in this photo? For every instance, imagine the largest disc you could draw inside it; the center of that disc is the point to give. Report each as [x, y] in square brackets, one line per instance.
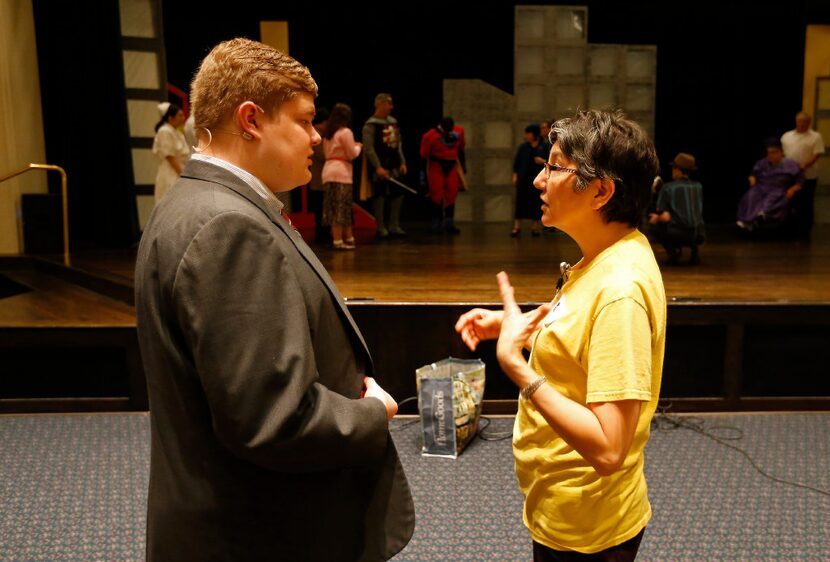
[403, 185]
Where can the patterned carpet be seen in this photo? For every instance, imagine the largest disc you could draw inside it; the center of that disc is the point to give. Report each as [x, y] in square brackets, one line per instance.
[73, 487]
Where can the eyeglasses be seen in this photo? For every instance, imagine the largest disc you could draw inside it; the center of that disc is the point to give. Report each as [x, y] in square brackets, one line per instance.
[557, 168]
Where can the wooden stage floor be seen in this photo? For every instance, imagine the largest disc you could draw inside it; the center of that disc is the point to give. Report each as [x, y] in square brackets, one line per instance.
[425, 268]
[750, 312]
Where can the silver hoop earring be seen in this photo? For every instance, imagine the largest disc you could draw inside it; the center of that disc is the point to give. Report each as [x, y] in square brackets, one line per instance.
[210, 140]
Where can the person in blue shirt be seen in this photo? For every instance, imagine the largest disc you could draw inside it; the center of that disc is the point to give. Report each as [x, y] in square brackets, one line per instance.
[678, 218]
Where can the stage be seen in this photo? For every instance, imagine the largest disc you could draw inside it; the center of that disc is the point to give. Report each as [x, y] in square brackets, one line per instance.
[749, 328]
[427, 268]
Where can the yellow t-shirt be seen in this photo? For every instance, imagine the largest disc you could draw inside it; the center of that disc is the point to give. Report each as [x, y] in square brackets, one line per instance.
[603, 341]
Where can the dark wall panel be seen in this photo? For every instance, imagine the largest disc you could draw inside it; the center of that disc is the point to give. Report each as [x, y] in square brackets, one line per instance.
[85, 121]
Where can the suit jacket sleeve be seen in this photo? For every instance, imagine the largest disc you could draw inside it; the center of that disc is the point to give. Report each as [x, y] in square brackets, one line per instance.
[246, 322]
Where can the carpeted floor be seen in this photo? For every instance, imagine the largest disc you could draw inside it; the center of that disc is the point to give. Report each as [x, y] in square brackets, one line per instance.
[74, 488]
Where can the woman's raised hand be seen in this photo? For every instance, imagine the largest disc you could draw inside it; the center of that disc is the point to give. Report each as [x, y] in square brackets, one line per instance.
[516, 326]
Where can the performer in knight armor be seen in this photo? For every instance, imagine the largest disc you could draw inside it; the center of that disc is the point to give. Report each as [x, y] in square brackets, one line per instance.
[384, 152]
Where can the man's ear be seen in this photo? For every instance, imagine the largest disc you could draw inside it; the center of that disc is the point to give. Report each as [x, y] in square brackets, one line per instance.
[246, 119]
[604, 192]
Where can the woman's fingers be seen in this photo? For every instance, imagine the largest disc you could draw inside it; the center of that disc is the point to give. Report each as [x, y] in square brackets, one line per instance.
[465, 319]
[506, 291]
[468, 337]
[466, 328]
[537, 316]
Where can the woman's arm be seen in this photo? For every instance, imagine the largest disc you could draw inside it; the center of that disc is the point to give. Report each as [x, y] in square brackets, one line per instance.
[601, 432]
[175, 163]
[350, 147]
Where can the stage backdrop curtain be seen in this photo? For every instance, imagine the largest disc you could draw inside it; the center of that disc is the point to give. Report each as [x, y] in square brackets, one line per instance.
[21, 121]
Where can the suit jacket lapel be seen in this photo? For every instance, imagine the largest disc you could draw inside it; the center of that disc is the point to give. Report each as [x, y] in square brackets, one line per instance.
[208, 172]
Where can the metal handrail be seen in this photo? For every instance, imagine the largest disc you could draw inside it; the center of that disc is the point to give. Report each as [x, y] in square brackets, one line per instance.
[63, 200]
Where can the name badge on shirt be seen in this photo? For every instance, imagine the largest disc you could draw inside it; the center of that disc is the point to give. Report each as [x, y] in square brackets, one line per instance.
[559, 310]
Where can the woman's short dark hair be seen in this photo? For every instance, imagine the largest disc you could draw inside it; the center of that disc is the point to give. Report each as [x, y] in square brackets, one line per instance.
[606, 144]
[172, 110]
[535, 129]
[341, 116]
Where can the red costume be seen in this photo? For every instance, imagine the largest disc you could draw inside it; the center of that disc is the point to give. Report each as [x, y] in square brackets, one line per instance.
[443, 151]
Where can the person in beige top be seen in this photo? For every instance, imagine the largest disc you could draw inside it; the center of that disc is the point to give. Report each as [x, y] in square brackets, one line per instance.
[805, 146]
[170, 146]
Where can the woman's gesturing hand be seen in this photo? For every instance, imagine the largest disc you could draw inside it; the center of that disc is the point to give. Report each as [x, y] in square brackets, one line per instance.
[477, 325]
[516, 327]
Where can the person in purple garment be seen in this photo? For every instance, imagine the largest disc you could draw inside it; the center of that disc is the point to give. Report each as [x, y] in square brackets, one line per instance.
[773, 183]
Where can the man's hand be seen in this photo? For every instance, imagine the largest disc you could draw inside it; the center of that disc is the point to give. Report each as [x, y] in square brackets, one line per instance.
[382, 172]
[403, 169]
[752, 181]
[652, 218]
[514, 179]
[373, 390]
[477, 325]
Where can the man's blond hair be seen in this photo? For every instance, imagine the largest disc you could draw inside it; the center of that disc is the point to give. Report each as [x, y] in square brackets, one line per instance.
[242, 70]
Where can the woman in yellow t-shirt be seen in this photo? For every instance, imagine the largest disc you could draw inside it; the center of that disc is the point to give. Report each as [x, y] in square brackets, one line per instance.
[591, 386]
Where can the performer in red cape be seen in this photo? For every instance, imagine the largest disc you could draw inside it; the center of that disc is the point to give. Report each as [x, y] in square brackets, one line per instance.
[442, 147]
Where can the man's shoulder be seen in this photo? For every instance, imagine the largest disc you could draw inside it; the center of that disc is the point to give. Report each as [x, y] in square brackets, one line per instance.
[684, 183]
[809, 135]
[195, 201]
[762, 163]
[789, 135]
[378, 121]
[431, 133]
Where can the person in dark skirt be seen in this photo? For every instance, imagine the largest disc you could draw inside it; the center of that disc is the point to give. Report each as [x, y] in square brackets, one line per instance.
[530, 159]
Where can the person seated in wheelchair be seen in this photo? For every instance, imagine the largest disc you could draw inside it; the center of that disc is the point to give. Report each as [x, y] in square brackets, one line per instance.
[773, 183]
[677, 220]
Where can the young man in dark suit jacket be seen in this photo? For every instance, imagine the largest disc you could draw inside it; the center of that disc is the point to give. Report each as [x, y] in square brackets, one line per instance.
[262, 446]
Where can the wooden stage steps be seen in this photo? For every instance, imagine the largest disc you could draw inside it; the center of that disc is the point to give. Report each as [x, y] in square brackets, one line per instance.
[749, 328]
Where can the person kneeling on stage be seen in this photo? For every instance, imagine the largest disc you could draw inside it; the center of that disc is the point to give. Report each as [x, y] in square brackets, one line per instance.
[773, 183]
[592, 383]
[442, 147]
[678, 219]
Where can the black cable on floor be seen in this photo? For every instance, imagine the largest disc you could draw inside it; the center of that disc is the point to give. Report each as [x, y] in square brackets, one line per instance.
[404, 425]
[492, 436]
[405, 400]
[664, 421]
